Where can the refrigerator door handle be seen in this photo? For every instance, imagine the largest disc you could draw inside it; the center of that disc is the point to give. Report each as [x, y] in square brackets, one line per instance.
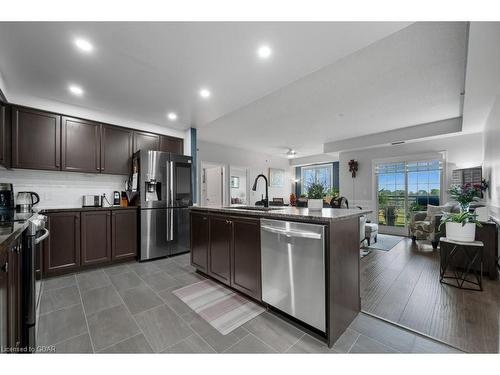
[171, 224]
[170, 218]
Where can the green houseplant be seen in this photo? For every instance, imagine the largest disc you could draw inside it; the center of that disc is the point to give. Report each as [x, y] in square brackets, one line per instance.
[315, 195]
[460, 226]
[465, 194]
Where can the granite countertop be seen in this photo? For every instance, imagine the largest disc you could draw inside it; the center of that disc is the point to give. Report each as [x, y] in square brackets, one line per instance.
[325, 215]
[10, 231]
[65, 209]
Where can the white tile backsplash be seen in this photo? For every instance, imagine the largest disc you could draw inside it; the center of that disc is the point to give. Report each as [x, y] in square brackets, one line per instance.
[62, 189]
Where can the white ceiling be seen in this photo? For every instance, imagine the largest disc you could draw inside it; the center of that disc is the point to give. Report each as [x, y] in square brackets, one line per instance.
[411, 77]
[144, 70]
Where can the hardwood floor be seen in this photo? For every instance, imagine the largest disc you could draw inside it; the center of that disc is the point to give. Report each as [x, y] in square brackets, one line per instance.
[402, 285]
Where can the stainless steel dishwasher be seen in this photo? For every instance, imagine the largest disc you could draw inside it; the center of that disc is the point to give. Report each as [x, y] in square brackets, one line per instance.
[293, 269]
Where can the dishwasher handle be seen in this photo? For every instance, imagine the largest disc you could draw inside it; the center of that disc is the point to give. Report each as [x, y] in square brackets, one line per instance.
[292, 233]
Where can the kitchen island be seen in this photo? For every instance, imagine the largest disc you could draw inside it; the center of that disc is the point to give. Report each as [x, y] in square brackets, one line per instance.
[275, 254]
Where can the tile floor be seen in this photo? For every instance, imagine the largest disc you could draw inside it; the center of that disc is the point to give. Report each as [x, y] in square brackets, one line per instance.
[130, 308]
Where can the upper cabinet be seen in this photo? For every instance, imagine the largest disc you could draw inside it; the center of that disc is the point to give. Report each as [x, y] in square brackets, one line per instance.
[146, 141]
[5, 136]
[171, 144]
[81, 145]
[116, 150]
[36, 139]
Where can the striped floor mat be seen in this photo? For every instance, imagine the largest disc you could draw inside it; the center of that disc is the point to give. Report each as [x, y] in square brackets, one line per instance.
[224, 309]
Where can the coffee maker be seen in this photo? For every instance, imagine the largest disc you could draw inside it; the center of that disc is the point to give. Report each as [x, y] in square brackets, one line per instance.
[6, 197]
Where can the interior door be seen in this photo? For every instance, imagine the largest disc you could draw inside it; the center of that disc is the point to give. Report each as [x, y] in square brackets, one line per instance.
[213, 186]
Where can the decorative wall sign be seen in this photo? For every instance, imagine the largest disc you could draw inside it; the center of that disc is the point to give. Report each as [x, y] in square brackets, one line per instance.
[276, 177]
[353, 167]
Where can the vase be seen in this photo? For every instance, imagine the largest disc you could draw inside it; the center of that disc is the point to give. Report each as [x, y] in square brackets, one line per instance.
[315, 204]
[464, 207]
[457, 232]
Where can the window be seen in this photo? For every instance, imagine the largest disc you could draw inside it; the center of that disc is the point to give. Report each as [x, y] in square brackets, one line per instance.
[406, 186]
[321, 173]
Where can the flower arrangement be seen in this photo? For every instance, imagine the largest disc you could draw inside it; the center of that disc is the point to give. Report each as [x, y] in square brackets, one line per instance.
[465, 194]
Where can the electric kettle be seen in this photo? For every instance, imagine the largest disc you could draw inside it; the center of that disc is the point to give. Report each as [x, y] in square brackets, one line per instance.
[25, 201]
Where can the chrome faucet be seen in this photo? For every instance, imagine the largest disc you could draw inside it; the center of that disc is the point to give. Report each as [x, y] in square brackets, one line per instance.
[254, 188]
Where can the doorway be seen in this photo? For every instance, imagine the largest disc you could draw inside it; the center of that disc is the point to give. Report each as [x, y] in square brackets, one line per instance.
[403, 187]
[212, 184]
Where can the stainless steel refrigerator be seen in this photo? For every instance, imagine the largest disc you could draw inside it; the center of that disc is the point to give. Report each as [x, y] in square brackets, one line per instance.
[163, 183]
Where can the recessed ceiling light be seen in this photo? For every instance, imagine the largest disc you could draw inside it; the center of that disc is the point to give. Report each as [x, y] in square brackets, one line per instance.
[205, 93]
[84, 45]
[264, 52]
[172, 116]
[75, 90]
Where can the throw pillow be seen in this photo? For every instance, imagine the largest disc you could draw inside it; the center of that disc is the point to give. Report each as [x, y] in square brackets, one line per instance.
[436, 210]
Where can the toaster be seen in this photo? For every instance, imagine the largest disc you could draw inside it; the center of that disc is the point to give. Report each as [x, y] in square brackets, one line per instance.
[92, 201]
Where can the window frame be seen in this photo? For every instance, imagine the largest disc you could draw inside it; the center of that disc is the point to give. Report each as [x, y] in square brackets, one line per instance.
[303, 189]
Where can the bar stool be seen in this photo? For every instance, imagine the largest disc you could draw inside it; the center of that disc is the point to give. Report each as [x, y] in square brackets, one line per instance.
[459, 260]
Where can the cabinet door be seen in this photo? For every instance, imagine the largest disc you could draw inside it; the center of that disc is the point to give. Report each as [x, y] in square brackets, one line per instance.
[245, 257]
[5, 136]
[36, 139]
[171, 144]
[116, 150]
[124, 234]
[95, 237]
[219, 257]
[80, 145]
[61, 250]
[14, 295]
[199, 240]
[146, 141]
[4, 298]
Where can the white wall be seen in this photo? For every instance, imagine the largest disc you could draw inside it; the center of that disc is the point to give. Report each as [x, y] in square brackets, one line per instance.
[256, 162]
[62, 189]
[492, 158]
[462, 151]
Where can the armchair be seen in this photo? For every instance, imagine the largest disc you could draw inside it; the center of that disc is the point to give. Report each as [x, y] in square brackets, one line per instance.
[422, 229]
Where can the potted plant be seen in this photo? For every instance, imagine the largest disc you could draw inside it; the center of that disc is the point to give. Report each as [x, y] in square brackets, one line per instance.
[315, 195]
[460, 226]
[465, 194]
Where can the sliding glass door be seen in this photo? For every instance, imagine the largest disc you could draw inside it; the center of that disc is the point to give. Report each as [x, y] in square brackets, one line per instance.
[403, 187]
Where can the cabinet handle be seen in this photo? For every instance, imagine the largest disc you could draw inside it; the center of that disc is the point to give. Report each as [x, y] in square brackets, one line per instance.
[204, 218]
[5, 267]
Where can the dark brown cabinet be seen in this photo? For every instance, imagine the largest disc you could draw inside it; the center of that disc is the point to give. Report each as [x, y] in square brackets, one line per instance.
[82, 239]
[227, 248]
[62, 248]
[146, 141]
[116, 150]
[36, 139]
[171, 144]
[80, 145]
[14, 314]
[219, 249]
[95, 237]
[199, 240]
[124, 234]
[5, 136]
[245, 257]
[4, 300]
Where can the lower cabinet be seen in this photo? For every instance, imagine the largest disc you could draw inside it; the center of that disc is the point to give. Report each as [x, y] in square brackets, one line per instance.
[227, 248]
[80, 239]
[219, 249]
[124, 234]
[245, 257]
[61, 250]
[199, 241]
[10, 297]
[96, 237]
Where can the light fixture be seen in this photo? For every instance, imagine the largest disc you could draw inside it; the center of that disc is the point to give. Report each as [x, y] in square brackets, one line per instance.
[84, 45]
[264, 52]
[75, 90]
[172, 116]
[205, 93]
[291, 153]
